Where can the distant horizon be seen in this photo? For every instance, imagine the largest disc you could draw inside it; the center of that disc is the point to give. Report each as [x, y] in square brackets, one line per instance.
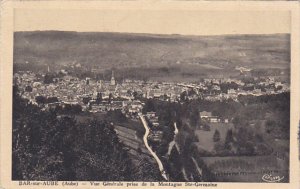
[155, 34]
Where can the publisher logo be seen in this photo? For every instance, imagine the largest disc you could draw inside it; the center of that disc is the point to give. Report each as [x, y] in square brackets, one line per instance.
[271, 178]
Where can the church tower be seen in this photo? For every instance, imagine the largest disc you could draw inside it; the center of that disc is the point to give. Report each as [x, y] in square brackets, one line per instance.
[112, 81]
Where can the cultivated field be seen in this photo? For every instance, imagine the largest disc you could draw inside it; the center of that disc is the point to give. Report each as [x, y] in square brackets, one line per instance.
[246, 168]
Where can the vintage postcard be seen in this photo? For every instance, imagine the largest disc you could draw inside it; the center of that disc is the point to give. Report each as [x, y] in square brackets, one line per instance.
[129, 94]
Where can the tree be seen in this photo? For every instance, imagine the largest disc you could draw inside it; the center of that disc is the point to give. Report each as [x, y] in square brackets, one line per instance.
[48, 78]
[110, 97]
[116, 116]
[134, 94]
[53, 151]
[194, 117]
[28, 89]
[76, 109]
[206, 127]
[40, 99]
[99, 98]
[86, 100]
[147, 171]
[52, 99]
[183, 96]
[228, 140]
[216, 137]
[270, 126]
[176, 165]
[193, 108]
[149, 106]
[70, 109]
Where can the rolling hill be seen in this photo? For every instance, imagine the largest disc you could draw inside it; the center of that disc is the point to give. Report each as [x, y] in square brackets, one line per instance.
[127, 50]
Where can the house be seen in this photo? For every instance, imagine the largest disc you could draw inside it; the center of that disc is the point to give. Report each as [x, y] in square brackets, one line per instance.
[133, 110]
[155, 124]
[207, 116]
[231, 91]
[155, 136]
[153, 119]
[214, 119]
[226, 121]
[150, 114]
[137, 104]
[52, 105]
[117, 104]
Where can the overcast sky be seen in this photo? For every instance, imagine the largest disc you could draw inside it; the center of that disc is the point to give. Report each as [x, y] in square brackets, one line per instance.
[154, 21]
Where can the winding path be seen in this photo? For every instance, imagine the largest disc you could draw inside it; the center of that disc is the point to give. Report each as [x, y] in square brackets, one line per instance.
[171, 145]
[160, 165]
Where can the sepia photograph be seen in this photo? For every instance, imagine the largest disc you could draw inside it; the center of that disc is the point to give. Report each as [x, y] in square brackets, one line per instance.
[149, 107]
[130, 95]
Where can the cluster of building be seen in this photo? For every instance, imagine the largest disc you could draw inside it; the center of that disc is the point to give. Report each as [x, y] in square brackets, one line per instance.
[228, 88]
[208, 117]
[93, 96]
[109, 95]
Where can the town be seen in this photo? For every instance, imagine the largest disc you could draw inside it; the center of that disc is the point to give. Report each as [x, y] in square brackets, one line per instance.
[128, 96]
[102, 96]
[113, 104]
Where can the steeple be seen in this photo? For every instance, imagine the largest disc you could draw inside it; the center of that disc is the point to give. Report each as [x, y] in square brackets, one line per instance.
[99, 86]
[112, 81]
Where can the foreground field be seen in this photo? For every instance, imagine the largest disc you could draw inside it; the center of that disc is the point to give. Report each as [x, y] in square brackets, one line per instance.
[246, 168]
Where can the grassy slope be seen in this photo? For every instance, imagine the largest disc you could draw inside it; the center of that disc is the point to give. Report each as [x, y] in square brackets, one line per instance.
[206, 137]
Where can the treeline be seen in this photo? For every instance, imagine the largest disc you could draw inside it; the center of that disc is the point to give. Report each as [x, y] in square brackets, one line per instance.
[50, 147]
[273, 109]
[45, 100]
[270, 71]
